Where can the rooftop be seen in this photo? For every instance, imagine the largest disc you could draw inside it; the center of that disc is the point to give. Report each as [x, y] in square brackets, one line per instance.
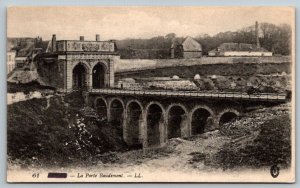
[188, 43]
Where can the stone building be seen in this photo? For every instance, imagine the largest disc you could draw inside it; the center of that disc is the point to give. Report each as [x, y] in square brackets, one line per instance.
[77, 64]
[188, 48]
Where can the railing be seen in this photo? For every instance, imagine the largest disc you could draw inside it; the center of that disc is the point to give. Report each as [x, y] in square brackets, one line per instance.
[193, 94]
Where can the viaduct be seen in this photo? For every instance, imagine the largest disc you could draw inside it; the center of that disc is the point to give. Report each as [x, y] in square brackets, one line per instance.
[147, 117]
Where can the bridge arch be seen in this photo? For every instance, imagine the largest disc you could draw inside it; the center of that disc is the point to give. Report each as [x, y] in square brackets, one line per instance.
[101, 106]
[199, 119]
[227, 115]
[116, 111]
[80, 75]
[99, 75]
[155, 124]
[176, 120]
[133, 123]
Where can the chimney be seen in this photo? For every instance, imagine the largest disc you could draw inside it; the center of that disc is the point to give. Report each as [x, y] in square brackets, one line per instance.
[54, 43]
[81, 38]
[256, 34]
[97, 37]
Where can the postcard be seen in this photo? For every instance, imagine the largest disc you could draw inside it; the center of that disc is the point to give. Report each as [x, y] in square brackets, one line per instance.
[151, 94]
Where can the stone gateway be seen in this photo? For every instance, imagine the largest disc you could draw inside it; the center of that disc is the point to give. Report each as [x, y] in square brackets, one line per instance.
[70, 65]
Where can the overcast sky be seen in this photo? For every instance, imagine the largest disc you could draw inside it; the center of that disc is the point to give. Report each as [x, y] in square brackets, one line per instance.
[135, 22]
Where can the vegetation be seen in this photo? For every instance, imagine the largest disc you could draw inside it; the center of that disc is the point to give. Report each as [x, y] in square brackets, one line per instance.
[257, 143]
[60, 134]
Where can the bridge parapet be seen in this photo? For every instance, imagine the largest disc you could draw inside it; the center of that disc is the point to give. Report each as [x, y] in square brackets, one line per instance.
[279, 97]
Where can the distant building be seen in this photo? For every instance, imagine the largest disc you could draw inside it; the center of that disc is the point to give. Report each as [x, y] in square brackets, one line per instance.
[11, 61]
[188, 48]
[10, 57]
[239, 49]
[25, 49]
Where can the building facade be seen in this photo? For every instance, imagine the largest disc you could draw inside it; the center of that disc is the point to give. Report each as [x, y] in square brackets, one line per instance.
[78, 64]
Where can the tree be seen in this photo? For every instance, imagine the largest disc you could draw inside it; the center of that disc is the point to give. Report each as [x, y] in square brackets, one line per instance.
[276, 38]
[170, 36]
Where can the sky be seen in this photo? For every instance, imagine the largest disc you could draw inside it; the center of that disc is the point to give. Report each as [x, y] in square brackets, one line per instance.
[136, 22]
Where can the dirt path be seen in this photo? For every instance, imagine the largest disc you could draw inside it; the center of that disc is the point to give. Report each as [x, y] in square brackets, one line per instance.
[179, 155]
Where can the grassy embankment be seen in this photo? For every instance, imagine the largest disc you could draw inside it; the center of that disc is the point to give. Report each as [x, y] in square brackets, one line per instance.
[61, 133]
[260, 139]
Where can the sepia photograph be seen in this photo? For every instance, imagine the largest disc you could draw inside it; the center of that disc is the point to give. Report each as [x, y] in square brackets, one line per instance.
[150, 94]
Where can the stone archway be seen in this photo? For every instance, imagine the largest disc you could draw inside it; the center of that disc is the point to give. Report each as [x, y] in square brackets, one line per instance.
[116, 107]
[133, 123]
[80, 76]
[199, 120]
[227, 117]
[99, 76]
[154, 123]
[101, 107]
[176, 118]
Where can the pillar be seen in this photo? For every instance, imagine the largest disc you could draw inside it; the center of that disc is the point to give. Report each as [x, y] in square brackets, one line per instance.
[212, 123]
[184, 127]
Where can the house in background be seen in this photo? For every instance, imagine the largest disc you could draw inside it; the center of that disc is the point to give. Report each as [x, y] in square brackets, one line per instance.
[10, 56]
[25, 49]
[239, 49]
[188, 48]
[11, 61]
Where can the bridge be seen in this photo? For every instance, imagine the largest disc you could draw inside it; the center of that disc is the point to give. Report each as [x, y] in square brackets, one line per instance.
[149, 117]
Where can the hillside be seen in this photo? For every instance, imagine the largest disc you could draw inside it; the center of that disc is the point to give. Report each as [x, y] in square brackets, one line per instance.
[58, 130]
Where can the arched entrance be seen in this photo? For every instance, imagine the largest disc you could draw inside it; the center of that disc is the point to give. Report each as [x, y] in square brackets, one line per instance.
[175, 119]
[101, 107]
[79, 76]
[199, 120]
[99, 76]
[116, 112]
[117, 115]
[227, 117]
[154, 118]
[133, 124]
